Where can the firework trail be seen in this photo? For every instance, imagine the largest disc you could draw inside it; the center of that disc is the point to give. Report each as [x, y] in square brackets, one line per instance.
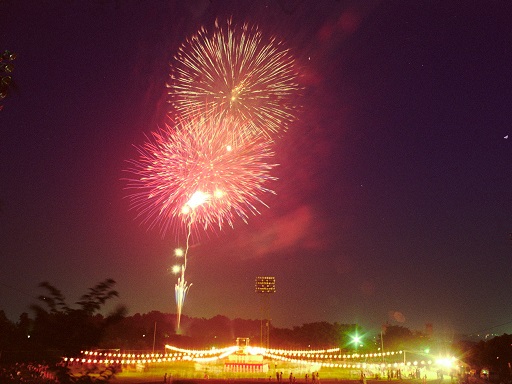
[181, 288]
[199, 174]
[232, 90]
[199, 171]
[235, 73]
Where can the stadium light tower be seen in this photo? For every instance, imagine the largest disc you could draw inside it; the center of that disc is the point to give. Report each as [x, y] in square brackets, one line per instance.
[265, 285]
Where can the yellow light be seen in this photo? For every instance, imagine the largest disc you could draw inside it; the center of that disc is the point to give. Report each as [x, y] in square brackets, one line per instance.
[178, 252]
[197, 199]
[445, 362]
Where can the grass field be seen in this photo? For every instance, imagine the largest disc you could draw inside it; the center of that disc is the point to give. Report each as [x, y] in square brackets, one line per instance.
[187, 372]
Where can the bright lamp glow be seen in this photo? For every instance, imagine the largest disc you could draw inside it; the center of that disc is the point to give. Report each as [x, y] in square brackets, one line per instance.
[197, 199]
[445, 361]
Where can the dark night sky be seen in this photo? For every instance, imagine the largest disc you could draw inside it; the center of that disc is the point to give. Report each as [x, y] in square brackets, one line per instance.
[394, 198]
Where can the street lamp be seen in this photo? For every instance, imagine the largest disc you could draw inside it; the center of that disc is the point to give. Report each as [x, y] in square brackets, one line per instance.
[357, 340]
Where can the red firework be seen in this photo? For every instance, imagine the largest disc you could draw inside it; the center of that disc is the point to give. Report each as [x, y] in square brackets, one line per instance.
[200, 172]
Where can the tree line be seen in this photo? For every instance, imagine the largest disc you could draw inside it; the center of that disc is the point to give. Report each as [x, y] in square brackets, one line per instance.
[55, 329]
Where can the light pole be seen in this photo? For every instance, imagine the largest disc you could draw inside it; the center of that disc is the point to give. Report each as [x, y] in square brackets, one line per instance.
[154, 338]
[265, 285]
[382, 344]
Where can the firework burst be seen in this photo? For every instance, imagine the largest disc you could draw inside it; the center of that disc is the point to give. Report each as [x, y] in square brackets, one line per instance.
[238, 74]
[201, 172]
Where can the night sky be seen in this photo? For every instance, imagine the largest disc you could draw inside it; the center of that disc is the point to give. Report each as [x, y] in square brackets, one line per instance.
[394, 197]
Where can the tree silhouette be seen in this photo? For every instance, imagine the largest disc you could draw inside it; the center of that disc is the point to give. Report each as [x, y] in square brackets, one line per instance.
[6, 68]
[397, 337]
[97, 296]
[59, 327]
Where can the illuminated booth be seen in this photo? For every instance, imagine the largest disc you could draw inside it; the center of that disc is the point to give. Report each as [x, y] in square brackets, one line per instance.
[243, 361]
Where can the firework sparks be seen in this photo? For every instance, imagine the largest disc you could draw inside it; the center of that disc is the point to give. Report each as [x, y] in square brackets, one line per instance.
[200, 171]
[233, 89]
[237, 74]
[181, 287]
[180, 291]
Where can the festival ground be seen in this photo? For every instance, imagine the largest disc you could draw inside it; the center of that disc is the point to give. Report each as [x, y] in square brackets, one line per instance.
[339, 376]
[150, 379]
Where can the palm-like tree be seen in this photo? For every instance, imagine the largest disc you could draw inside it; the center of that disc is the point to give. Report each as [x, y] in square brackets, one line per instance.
[60, 327]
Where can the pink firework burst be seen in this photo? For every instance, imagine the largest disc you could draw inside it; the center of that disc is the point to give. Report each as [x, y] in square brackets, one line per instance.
[200, 172]
[238, 74]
